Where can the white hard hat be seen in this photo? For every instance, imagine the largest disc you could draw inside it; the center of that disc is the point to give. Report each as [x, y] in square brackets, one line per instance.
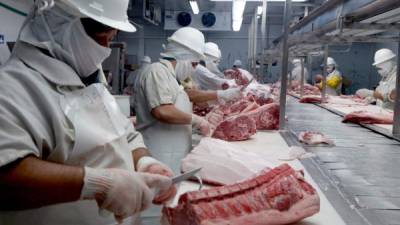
[331, 62]
[237, 63]
[212, 49]
[111, 13]
[146, 59]
[296, 61]
[191, 38]
[383, 55]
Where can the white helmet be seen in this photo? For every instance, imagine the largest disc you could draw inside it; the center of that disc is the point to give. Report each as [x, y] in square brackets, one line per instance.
[237, 63]
[191, 38]
[331, 62]
[383, 55]
[146, 59]
[212, 49]
[296, 61]
[111, 13]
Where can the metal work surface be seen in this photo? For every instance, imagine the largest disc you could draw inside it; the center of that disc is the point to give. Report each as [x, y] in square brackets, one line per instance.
[362, 166]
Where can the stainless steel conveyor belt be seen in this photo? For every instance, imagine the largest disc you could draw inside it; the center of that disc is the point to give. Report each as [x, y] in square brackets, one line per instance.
[363, 167]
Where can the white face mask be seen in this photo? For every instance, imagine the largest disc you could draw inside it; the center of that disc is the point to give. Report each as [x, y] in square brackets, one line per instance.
[385, 68]
[64, 36]
[330, 69]
[183, 69]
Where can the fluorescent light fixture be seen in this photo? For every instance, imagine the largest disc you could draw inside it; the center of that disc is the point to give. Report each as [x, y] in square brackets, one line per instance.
[236, 24]
[195, 7]
[259, 10]
[259, 0]
[237, 13]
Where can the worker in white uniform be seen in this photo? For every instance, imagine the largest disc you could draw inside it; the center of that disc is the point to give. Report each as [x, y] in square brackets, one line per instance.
[212, 63]
[67, 153]
[131, 80]
[296, 72]
[204, 78]
[384, 94]
[333, 80]
[164, 111]
[237, 65]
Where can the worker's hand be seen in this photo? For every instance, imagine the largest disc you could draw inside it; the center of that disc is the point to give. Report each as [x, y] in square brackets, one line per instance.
[122, 192]
[378, 95]
[231, 94]
[392, 96]
[201, 124]
[148, 164]
[364, 93]
[225, 86]
[214, 118]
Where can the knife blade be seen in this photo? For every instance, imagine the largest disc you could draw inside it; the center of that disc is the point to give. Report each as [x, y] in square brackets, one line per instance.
[246, 85]
[185, 176]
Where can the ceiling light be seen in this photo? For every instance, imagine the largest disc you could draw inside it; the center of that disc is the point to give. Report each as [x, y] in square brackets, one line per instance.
[260, 0]
[259, 10]
[195, 7]
[236, 24]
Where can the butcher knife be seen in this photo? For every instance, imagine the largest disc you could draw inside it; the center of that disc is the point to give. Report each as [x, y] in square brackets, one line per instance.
[185, 176]
[245, 86]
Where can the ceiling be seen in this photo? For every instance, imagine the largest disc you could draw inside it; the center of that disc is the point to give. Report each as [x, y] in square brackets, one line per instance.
[275, 9]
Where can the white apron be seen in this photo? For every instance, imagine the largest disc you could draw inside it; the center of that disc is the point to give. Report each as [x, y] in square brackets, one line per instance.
[385, 87]
[169, 143]
[100, 142]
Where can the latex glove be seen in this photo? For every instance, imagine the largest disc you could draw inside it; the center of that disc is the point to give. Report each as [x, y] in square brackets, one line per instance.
[151, 165]
[231, 94]
[363, 93]
[214, 118]
[201, 124]
[122, 192]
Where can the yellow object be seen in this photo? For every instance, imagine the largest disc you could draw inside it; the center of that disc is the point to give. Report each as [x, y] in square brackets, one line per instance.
[333, 81]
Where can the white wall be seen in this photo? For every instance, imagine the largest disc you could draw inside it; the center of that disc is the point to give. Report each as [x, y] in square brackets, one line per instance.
[10, 23]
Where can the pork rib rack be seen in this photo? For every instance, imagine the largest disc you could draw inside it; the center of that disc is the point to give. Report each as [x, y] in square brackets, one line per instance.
[277, 196]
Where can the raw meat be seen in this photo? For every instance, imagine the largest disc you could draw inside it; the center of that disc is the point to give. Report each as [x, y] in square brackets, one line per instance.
[236, 128]
[311, 99]
[307, 90]
[266, 116]
[314, 138]
[277, 196]
[224, 163]
[237, 75]
[366, 117]
[251, 107]
[296, 152]
[201, 110]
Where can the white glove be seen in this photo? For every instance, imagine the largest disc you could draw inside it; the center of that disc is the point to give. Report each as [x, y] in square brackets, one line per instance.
[151, 165]
[364, 93]
[122, 192]
[201, 124]
[230, 94]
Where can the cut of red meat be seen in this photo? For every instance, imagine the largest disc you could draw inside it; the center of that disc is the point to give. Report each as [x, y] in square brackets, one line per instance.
[314, 138]
[236, 128]
[266, 116]
[311, 99]
[368, 118]
[277, 196]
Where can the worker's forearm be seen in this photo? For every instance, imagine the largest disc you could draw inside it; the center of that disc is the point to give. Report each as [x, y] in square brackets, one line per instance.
[139, 153]
[170, 114]
[198, 96]
[31, 183]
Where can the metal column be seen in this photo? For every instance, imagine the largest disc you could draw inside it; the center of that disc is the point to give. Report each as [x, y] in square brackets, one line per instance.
[263, 44]
[396, 123]
[255, 30]
[325, 73]
[285, 61]
[302, 78]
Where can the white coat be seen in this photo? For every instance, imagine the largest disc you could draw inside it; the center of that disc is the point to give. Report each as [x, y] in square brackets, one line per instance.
[206, 80]
[46, 111]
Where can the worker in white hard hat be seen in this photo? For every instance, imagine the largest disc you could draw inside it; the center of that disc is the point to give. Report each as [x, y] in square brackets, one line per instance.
[246, 75]
[67, 153]
[214, 57]
[204, 78]
[333, 80]
[131, 80]
[384, 94]
[296, 72]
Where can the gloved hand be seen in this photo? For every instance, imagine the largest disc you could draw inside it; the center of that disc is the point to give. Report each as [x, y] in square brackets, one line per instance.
[378, 95]
[148, 164]
[363, 93]
[201, 124]
[122, 192]
[231, 94]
